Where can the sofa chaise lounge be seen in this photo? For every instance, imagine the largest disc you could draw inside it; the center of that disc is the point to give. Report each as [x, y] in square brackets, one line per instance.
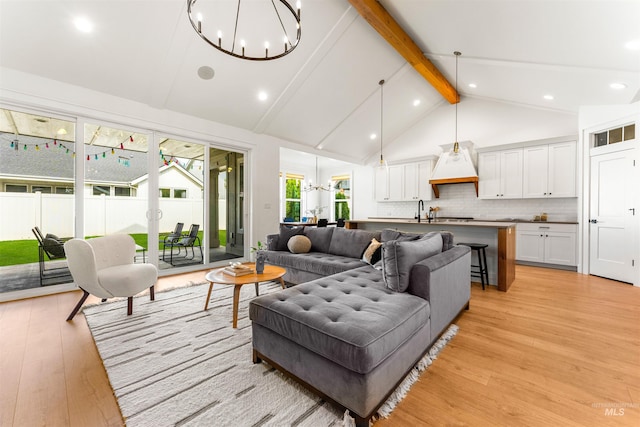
[352, 336]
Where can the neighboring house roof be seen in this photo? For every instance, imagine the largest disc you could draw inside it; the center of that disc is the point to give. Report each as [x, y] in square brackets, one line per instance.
[56, 163]
[164, 168]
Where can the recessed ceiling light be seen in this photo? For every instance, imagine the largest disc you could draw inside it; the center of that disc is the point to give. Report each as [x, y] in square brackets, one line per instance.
[548, 97]
[633, 44]
[617, 86]
[416, 102]
[373, 136]
[83, 24]
[262, 96]
[473, 85]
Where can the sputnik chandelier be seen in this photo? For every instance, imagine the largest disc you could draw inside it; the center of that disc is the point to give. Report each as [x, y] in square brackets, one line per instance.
[317, 187]
[257, 30]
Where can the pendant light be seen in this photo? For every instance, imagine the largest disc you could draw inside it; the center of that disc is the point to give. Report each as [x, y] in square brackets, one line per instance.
[383, 162]
[455, 151]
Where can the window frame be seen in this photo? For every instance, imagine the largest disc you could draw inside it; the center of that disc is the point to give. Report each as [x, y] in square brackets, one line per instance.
[348, 200]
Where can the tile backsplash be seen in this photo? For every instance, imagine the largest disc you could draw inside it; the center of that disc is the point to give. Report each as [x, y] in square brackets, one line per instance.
[460, 200]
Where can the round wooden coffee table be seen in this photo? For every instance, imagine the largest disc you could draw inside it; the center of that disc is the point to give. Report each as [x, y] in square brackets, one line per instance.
[271, 272]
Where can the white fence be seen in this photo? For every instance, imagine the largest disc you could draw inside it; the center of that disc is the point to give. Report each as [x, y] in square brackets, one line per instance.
[54, 213]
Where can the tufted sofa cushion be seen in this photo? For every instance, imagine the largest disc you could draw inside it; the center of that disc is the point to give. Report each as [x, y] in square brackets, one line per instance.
[313, 262]
[350, 318]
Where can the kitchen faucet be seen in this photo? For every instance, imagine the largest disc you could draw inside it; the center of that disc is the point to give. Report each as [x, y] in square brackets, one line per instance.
[420, 204]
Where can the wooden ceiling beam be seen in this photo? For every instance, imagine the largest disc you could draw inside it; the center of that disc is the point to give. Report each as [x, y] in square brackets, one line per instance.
[378, 17]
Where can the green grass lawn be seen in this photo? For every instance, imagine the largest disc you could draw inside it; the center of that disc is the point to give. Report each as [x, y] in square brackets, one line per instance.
[13, 252]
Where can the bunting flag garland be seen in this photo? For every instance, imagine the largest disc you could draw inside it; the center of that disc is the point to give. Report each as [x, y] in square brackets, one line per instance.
[15, 144]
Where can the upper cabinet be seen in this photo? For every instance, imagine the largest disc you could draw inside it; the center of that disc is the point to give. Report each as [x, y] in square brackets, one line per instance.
[403, 182]
[550, 170]
[416, 181]
[500, 174]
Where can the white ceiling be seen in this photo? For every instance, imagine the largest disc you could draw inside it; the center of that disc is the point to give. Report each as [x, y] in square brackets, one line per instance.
[325, 94]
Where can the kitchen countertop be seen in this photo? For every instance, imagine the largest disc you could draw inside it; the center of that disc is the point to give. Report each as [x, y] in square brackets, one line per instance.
[451, 221]
[499, 236]
[439, 222]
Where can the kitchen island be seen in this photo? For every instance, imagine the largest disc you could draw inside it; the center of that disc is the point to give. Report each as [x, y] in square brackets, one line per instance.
[500, 236]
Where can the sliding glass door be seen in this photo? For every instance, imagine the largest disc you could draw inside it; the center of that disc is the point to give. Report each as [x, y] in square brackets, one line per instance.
[181, 186]
[115, 187]
[36, 199]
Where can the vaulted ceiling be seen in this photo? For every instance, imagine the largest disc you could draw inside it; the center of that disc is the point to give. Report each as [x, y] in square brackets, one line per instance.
[325, 95]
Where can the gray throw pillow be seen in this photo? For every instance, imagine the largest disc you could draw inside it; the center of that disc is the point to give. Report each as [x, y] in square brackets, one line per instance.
[398, 257]
[285, 234]
[299, 244]
[388, 234]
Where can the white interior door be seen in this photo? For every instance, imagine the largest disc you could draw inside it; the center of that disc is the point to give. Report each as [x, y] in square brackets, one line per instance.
[612, 223]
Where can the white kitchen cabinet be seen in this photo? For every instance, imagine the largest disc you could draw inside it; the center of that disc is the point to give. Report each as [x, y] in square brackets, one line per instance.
[403, 182]
[416, 181]
[550, 170]
[547, 243]
[500, 174]
[396, 183]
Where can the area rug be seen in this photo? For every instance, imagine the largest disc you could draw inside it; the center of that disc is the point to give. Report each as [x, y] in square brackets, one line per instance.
[173, 364]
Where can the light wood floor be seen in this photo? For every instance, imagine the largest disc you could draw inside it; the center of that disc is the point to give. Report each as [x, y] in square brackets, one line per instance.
[559, 348]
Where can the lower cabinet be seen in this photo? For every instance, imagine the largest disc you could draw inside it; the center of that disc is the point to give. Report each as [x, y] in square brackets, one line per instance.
[547, 243]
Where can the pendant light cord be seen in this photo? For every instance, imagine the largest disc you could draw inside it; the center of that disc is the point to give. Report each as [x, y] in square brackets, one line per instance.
[457, 54]
[381, 83]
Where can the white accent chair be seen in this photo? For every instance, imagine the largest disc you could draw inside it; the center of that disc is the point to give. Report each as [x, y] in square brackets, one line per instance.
[105, 267]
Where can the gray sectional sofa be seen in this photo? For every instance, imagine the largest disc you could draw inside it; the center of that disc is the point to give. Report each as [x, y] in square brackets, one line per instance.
[333, 250]
[353, 332]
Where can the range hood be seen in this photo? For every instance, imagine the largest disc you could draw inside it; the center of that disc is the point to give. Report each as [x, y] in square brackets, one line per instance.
[455, 168]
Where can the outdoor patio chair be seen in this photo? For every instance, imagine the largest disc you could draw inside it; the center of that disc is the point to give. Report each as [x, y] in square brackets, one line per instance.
[187, 241]
[51, 247]
[172, 238]
[105, 267]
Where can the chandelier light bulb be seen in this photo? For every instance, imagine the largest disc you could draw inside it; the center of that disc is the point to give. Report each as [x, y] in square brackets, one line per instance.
[200, 23]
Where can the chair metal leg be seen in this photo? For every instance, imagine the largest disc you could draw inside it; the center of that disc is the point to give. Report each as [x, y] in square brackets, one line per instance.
[152, 293]
[78, 305]
[129, 306]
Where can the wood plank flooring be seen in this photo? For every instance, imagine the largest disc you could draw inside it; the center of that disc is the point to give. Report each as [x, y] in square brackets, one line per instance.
[559, 348]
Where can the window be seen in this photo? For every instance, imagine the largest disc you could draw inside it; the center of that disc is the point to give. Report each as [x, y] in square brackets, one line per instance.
[165, 193]
[64, 190]
[99, 190]
[123, 191]
[612, 136]
[179, 193]
[342, 196]
[15, 188]
[41, 188]
[292, 194]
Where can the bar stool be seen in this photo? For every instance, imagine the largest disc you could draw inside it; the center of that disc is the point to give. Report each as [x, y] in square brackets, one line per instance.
[479, 270]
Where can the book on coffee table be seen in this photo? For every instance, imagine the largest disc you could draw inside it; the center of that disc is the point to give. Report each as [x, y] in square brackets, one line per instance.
[237, 270]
